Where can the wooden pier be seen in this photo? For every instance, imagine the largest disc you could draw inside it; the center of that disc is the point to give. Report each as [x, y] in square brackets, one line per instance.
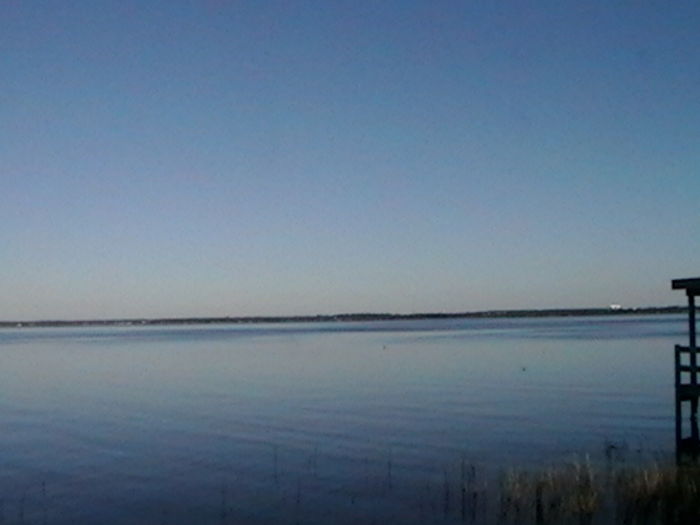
[686, 375]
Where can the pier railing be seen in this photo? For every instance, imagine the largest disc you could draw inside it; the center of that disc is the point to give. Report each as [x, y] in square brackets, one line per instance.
[686, 373]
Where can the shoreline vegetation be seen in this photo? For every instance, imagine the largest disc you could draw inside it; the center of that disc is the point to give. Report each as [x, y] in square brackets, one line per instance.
[576, 492]
[352, 317]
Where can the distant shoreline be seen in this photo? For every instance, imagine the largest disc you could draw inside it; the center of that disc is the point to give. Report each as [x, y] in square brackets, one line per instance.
[489, 314]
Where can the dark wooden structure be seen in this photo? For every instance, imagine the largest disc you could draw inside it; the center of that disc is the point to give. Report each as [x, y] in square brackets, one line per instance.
[686, 372]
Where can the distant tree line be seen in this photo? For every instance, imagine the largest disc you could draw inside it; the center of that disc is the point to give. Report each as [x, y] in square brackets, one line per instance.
[555, 312]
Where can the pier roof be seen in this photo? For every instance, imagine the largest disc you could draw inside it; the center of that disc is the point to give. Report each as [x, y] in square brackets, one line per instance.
[692, 286]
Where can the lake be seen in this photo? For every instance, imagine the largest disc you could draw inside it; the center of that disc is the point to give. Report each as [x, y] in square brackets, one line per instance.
[315, 423]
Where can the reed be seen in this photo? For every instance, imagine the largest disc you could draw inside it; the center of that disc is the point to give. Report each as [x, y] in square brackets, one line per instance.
[578, 493]
[549, 496]
[659, 494]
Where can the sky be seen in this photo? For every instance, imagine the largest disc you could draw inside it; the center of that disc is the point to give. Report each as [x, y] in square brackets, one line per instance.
[213, 157]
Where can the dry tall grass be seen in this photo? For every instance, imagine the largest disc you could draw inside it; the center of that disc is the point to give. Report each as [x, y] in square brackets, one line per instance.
[578, 493]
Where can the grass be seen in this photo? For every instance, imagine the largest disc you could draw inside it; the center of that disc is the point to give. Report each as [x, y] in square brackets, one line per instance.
[579, 493]
[659, 494]
[551, 495]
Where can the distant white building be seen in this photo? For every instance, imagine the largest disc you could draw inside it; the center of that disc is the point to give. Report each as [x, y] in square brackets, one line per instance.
[616, 307]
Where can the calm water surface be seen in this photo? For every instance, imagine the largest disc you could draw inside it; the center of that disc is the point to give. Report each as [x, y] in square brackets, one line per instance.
[313, 423]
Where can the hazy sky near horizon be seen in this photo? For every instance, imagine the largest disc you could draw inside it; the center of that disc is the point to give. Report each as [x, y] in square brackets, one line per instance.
[177, 158]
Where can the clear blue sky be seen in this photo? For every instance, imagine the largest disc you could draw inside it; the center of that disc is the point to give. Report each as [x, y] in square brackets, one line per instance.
[177, 158]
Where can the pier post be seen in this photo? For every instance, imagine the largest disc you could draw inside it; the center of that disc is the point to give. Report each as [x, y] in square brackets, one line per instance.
[691, 319]
[692, 346]
[679, 405]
